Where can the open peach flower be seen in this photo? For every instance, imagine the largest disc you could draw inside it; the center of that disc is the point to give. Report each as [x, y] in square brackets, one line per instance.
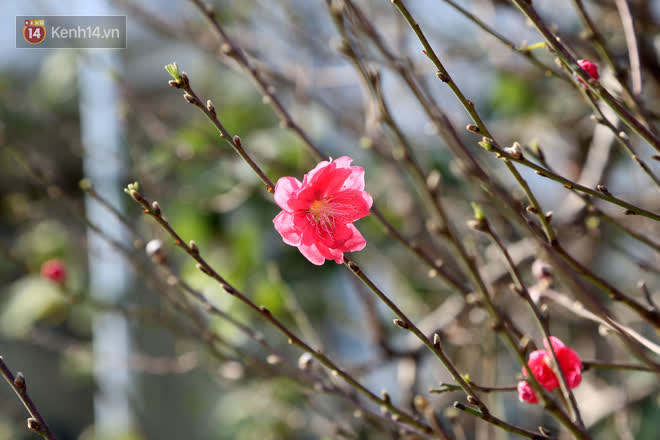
[318, 213]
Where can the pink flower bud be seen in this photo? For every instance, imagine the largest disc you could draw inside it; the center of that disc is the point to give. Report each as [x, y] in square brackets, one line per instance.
[591, 69]
[526, 393]
[54, 270]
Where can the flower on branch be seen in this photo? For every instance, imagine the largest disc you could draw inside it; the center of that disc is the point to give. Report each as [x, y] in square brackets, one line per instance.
[540, 362]
[54, 270]
[590, 68]
[526, 393]
[318, 213]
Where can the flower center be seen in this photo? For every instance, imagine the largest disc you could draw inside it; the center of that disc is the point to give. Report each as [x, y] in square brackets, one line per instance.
[319, 210]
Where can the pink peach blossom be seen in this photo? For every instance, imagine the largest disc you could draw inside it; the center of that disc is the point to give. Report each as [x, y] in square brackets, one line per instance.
[318, 213]
[591, 69]
[526, 393]
[539, 363]
[569, 361]
[54, 270]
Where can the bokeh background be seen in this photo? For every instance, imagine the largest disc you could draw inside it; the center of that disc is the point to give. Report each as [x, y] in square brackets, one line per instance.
[67, 113]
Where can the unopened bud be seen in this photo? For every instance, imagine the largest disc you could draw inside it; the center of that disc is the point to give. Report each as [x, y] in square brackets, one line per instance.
[305, 361]
[385, 396]
[154, 249]
[515, 151]
[226, 49]
[193, 247]
[19, 381]
[436, 340]
[478, 225]
[473, 128]
[603, 189]
[188, 97]
[442, 76]
[155, 207]
[33, 424]
[399, 323]
[210, 107]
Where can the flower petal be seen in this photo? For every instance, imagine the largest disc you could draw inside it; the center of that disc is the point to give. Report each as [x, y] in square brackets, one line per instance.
[356, 242]
[284, 224]
[330, 253]
[307, 179]
[526, 393]
[538, 363]
[556, 344]
[285, 190]
[571, 366]
[350, 204]
[312, 253]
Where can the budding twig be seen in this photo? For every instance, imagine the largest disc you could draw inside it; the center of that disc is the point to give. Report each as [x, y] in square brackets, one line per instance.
[36, 422]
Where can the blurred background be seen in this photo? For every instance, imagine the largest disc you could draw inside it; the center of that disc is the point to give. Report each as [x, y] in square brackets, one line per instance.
[108, 353]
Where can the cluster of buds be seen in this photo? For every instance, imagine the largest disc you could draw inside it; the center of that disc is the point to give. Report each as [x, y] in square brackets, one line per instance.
[180, 79]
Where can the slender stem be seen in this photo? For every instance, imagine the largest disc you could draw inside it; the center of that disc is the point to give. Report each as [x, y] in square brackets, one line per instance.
[544, 172]
[205, 268]
[231, 49]
[505, 41]
[621, 137]
[408, 324]
[545, 223]
[586, 365]
[640, 237]
[632, 338]
[234, 141]
[445, 387]
[501, 423]
[631, 41]
[649, 314]
[643, 131]
[601, 47]
[542, 323]
[444, 75]
[36, 422]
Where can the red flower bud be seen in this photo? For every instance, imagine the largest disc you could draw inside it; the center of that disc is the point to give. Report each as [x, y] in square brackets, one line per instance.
[54, 270]
[591, 68]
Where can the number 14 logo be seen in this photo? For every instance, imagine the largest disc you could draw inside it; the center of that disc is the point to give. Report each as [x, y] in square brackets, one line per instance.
[34, 31]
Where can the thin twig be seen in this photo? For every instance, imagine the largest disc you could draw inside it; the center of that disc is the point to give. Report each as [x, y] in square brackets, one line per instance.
[501, 423]
[643, 131]
[36, 422]
[205, 268]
